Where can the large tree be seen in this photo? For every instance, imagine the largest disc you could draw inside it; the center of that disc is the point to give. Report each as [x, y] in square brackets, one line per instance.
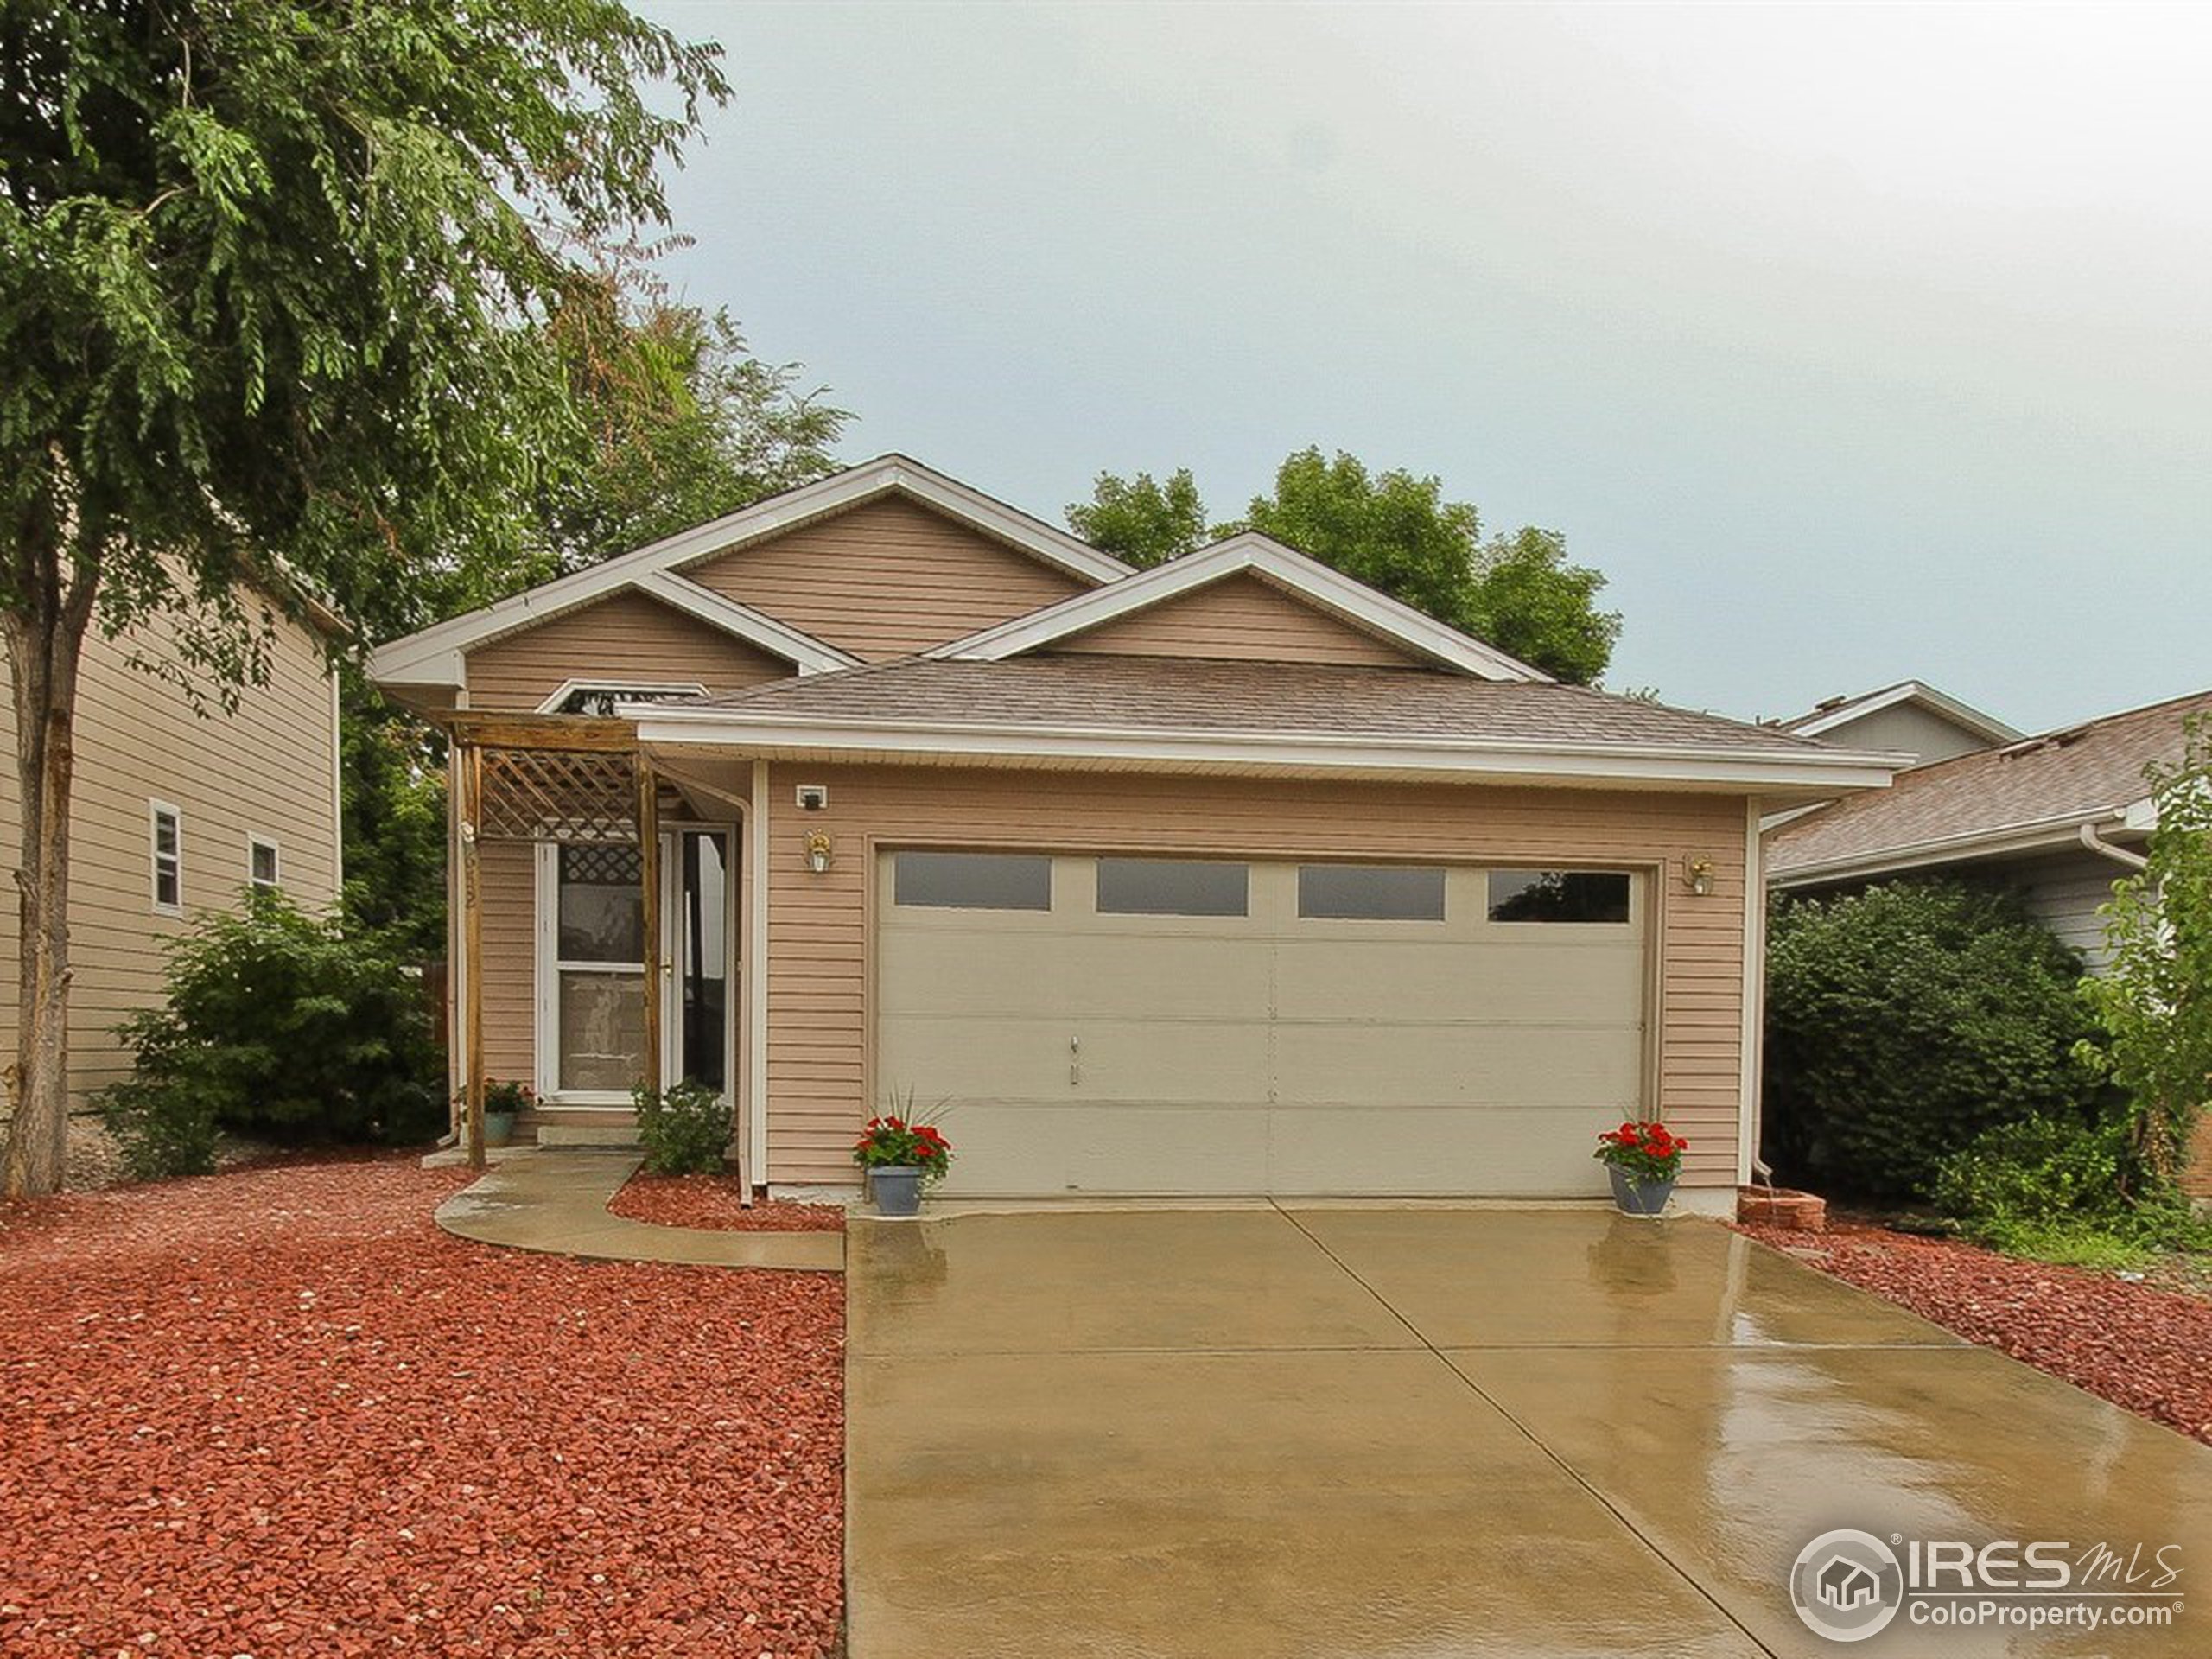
[1394, 532]
[274, 283]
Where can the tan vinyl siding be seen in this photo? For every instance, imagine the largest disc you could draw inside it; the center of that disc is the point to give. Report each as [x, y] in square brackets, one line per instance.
[1240, 617]
[268, 771]
[511, 960]
[625, 637]
[887, 578]
[820, 1083]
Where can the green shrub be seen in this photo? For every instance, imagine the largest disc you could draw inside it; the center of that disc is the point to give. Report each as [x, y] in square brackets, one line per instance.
[685, 1129]
[1903, 1022]
[2064, 1190]
[279, 1027]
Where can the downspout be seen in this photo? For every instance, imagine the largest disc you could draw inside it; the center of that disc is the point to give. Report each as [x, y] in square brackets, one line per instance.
[2097, 844]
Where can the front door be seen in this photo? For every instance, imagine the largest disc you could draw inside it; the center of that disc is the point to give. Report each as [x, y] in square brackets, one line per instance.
[591, 932]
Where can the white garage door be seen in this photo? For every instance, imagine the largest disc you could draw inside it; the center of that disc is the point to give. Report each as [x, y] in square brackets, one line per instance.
[1160, 1025]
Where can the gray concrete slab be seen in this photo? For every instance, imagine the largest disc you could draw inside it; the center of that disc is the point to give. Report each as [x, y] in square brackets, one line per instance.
[556, 1201]
[1434, 1432]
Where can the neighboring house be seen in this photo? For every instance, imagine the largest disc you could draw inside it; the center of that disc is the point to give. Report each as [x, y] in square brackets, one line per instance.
[1233, 876]
[1908, 718]
[173, 814]
[2058, 817]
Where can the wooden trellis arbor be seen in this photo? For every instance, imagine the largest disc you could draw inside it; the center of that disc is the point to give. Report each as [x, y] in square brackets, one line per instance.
[573, 779]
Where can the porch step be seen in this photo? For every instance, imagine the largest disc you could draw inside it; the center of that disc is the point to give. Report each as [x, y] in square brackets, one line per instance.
[623, 1136]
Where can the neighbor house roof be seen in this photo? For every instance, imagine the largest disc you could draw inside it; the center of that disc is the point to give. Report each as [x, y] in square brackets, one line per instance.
[433, 657]
[2036, 794]
[1841, 711]
[1211, 715]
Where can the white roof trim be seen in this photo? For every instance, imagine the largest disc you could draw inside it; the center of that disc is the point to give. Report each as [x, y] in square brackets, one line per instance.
[1299, 752]
[1961, 715]
[2059, 832]
[713, 608]
[433, 655]
[1328, 590]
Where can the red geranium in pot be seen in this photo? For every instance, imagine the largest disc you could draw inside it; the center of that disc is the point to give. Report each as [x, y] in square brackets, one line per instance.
[1643, 1159]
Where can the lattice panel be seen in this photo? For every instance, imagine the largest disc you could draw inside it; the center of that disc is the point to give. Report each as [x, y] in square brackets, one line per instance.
[557, 795]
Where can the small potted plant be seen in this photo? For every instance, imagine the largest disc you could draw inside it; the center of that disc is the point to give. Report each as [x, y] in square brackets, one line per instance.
[899, 1154]
[503, 1102]
[1643, 1159]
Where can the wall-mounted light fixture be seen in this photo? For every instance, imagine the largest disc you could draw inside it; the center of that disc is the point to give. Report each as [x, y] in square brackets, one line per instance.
[821, 852]
[1698, 871]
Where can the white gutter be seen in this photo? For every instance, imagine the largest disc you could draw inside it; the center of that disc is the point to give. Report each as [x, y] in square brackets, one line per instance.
[2097, 844]
[1512, 758]
[2040, 835]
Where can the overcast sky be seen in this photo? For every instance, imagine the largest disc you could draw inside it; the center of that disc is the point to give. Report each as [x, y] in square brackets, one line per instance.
[1853, 345]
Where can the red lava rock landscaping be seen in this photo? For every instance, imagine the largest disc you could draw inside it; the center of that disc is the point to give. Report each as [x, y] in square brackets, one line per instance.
[718, 1202]
[2144, 1348]
[278, 1413]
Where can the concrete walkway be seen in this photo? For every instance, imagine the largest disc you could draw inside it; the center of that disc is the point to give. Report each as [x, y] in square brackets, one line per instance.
[1289, 1432]
[556, 1201]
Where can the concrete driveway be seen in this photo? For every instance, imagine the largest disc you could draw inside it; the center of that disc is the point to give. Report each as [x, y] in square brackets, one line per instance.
[1348, 1431]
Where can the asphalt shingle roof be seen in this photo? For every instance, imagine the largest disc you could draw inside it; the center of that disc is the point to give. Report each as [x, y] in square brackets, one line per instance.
[2077, 771]
[1206, 696]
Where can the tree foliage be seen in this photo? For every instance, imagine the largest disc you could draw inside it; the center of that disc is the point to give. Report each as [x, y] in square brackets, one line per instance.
[274, 287]
[1903, 1022]
[1394, 532]
[678, 424]
[2154, 1001]
[1140, 521]
[391, 771]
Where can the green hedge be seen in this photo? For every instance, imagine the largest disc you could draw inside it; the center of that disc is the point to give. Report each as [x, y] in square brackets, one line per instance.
[278, 1025]
[1904, 1021]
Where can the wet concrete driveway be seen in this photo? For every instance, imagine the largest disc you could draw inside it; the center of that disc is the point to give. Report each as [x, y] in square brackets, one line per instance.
[1333, 1432]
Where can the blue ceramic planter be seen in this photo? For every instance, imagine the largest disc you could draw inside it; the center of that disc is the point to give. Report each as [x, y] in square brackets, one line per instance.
[898, 1189]
[1637, 1197]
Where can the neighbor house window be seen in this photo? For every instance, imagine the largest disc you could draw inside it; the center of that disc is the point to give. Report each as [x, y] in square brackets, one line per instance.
[262, 865]
[973, 881]
[1558, 896]
[167, 838]
[1171, 887]
[599, 967]
[1371, 893]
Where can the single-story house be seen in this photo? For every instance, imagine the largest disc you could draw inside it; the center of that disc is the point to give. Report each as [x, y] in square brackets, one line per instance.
[2058, 817]
[1233, 876]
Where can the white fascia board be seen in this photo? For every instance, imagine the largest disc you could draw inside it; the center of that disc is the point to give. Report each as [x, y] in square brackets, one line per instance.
[756, 628]
[2052, 834]
[1963, 715]
[1329, 589]
[1299, 752]
[410, 660]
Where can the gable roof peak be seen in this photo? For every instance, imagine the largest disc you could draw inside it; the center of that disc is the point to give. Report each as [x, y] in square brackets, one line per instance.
[1325, 587]
[433, 656]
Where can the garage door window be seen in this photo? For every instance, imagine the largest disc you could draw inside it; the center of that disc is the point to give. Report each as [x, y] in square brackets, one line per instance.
[973, 882]
[1173, 887]
[1370, 893]
[1558, 896]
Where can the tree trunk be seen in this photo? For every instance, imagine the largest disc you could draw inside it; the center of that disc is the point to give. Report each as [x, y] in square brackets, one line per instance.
[45, 635]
